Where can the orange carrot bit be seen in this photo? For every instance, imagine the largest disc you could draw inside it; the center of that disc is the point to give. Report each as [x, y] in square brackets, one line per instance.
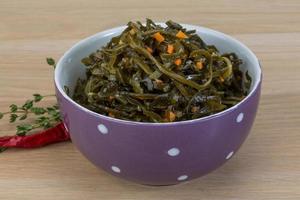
[111, 114]
[181, 35]
[221, 79]
[194, 109]
[170, 49]
[199, 65]
[157, 81]
[170, 116]
[111, 98]
[149, 49]
[158, 37]
[178, 61]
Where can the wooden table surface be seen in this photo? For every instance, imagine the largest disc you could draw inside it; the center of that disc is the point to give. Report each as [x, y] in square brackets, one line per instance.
[266, 167]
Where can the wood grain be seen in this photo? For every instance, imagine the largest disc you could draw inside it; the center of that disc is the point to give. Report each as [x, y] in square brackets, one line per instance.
[266, 167]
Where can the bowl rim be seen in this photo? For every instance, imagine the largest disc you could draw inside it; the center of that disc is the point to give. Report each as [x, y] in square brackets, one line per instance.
[111, 31]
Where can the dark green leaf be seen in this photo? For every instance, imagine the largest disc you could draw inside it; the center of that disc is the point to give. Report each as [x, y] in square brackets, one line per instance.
[46, 124]
[37, 97]
[22, 117]
[28, 104]
[38, 110]
[13, 118]
[52, 111]
[50, 61]
[42, 119]
[13, 108]
[23, 129]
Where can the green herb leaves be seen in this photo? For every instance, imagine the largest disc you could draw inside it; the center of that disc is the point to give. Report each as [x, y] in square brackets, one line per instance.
[13, 118]
[27, 105]
[45, 117]
[13, 108]
[23, 129]
[51, 62]
[38, 117]
[38, 110]
[37, 97]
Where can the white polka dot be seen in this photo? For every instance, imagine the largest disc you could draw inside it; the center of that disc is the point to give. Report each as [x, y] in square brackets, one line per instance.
[102, 129]
[182, 178]
[173, 152]
[69, 60]
[116, 169]
[240, 117]
[229, 155]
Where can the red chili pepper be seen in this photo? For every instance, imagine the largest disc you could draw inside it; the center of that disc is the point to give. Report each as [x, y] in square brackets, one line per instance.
[49, 136]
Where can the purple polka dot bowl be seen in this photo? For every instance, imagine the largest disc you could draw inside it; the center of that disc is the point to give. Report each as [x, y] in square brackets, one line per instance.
[156, 153]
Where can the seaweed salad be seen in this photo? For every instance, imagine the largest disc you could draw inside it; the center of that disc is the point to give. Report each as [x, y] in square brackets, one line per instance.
[154, 73]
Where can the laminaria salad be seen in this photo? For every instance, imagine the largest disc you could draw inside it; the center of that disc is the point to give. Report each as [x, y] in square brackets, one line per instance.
[154, 73]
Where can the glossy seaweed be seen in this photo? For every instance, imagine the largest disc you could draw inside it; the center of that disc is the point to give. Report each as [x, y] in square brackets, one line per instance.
[151, 73]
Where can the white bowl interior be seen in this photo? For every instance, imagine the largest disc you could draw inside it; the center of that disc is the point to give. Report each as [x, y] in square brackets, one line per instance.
[70, 68]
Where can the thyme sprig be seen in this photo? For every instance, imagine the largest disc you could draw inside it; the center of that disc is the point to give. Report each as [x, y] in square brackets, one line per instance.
[44, 117]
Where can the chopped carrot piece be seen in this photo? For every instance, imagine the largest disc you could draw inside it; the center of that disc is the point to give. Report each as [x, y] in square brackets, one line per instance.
[149, 49]
[170, 49]
[111, 98]
[221, 79]
[178, 61]
[158, 37]
[170, 116]
[199, 65]
[158, 81]
[181, 35]
[194, 109]
[111, 114]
